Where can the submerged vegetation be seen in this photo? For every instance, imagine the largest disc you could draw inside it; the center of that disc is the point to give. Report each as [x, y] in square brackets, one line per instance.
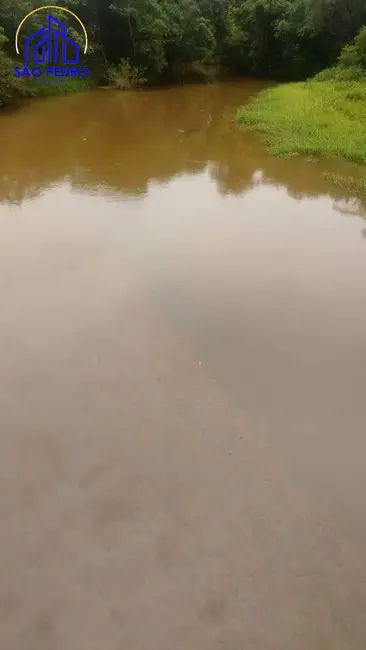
[323, 117]
[135, 41]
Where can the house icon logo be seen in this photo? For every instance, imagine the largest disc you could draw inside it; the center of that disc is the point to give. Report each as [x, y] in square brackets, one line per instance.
[51, 45]
[49, 53]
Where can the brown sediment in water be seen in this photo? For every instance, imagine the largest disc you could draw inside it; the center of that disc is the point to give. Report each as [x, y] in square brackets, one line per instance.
[182, 367]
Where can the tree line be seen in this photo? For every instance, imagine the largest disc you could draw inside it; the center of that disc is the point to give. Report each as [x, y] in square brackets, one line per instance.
[281, 39]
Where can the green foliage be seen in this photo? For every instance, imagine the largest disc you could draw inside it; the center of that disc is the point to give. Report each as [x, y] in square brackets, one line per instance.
[269, 37]
[124, 76]
[340, 74]
[334, 24]
[354, 55]
[283, 39]
[11, 89]
[144, 28]
[351, 65]
[158, 33]
[290, 38]
[323, 117]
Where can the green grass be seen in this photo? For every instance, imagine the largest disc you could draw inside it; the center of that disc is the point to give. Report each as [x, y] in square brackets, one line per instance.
[72, 85]
[316, 118]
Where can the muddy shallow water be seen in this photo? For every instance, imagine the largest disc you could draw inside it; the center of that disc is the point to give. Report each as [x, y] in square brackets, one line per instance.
[182, 381]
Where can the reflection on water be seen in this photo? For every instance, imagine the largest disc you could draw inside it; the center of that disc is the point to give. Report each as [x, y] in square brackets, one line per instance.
[258, 262]
[182, 382]
[117, 144]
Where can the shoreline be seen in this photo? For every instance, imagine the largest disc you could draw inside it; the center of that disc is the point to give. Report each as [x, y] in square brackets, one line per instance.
[316, 119]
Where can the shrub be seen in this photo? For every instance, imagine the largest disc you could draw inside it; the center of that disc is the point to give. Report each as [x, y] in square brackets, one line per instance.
[125, 76]
[341, 74]
[354, 55]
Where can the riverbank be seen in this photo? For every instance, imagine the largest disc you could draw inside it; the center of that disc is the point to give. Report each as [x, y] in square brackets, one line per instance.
[321, 119]
[115, 77]
[318, 119]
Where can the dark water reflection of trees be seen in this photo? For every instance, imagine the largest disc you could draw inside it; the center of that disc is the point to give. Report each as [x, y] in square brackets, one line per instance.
[119, 143]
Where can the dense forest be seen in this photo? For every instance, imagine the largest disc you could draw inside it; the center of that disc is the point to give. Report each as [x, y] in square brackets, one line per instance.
[148, 39]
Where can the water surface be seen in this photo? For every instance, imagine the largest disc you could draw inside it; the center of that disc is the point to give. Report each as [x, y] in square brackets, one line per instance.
[182, 381]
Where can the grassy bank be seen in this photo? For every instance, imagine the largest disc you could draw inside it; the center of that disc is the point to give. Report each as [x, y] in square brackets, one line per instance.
[316, 118]
[67, 86]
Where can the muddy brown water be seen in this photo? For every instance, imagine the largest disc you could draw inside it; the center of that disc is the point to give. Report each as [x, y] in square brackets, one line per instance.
[182, 382]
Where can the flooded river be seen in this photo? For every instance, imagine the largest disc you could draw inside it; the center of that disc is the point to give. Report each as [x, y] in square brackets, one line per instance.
[182, 382]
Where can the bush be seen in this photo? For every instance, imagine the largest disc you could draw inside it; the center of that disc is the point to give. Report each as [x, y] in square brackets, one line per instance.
[341, 74]
[354, 56]
[125, 76]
